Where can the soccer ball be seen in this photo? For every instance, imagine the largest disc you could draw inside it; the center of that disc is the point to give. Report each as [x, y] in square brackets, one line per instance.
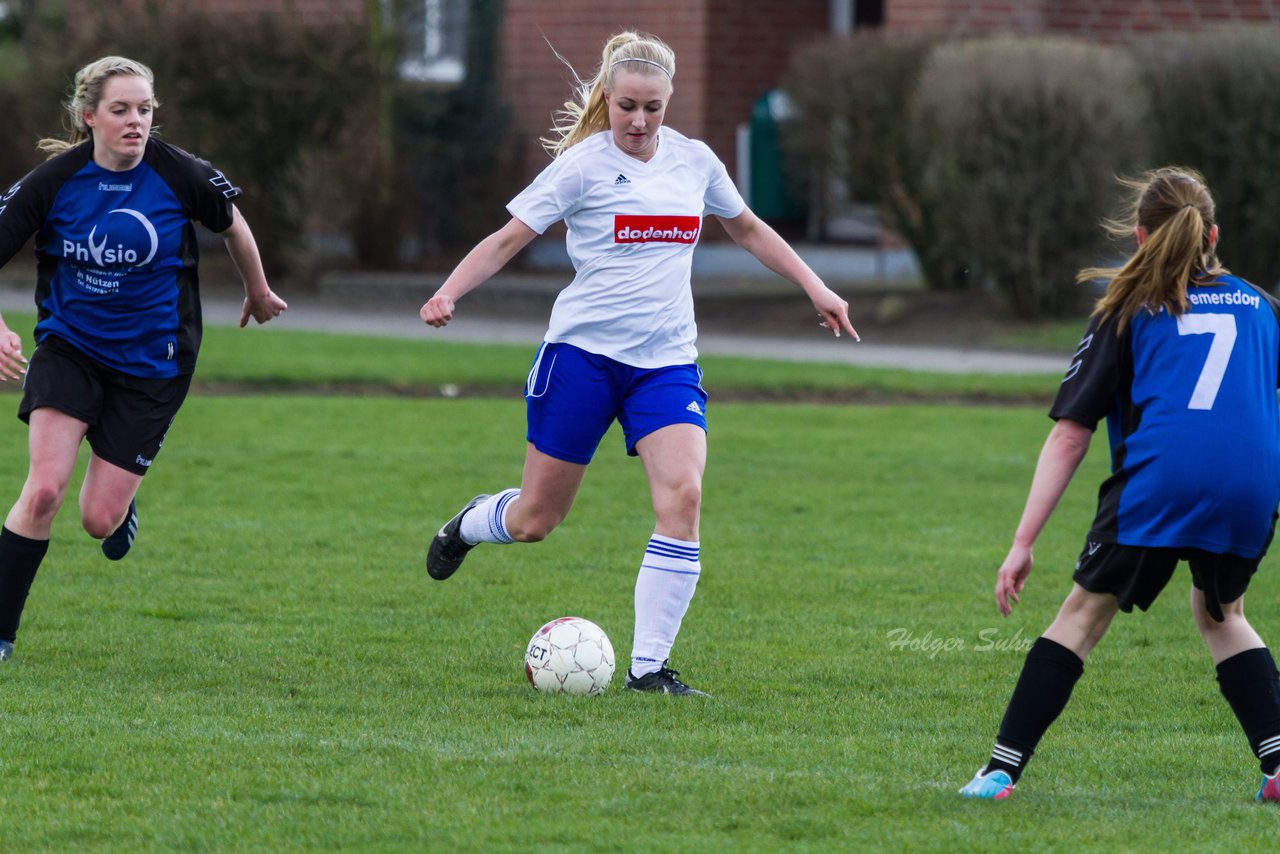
[569, 656]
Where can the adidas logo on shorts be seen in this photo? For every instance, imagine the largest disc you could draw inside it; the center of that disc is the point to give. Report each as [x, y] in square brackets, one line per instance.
[694, 407]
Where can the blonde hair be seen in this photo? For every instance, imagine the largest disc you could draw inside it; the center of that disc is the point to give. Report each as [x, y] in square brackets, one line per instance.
[588, 113]
[86, 94]
[1173, 206]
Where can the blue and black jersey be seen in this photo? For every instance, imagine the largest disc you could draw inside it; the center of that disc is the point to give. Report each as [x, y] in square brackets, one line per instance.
[1193, 421]
[116, 253]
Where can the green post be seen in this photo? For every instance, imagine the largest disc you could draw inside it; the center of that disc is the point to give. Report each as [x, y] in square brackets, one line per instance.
[772, 197]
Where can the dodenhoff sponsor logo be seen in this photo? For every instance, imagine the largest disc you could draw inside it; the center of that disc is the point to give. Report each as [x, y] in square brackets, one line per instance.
[656, 229]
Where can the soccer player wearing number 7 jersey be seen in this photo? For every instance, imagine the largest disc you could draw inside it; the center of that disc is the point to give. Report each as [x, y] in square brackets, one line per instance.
[1181, 358]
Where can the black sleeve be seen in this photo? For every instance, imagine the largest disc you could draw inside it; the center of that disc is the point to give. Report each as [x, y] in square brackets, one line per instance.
[25, 205]
[1088, 391]
[1275, 309]
[206, 193]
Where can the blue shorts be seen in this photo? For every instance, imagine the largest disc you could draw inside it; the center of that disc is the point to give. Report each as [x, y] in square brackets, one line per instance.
[572, 397]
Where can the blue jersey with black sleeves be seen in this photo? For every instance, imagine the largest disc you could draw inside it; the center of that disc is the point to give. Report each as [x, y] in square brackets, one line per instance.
[117, 254]
[1192, 418]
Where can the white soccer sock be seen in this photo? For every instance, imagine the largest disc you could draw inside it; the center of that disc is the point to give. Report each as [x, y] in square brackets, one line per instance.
[664, 588]
[487, 521]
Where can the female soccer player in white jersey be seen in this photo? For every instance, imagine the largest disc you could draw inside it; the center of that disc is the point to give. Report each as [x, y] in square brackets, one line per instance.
[621, 339]
[119, 311]
[1181, 359]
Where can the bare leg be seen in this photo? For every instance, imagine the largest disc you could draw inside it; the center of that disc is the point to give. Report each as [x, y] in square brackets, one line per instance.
[53, 439]
[527, 515]
[1082, 620]
[674, 459]
[105, 496]
[548, 488]
[1232, 636]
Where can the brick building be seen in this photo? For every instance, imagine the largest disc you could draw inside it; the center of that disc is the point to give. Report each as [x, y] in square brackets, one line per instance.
[729, 52]
[1107, 20]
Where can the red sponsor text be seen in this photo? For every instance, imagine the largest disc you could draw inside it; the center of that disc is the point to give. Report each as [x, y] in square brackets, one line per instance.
[656, 229]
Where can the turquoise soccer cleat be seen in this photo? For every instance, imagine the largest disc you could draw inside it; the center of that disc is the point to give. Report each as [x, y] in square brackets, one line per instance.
[992, 786]
[1270, 788]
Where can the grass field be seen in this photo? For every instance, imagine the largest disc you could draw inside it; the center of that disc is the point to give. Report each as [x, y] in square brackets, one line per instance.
[271, 669]
[285, 358]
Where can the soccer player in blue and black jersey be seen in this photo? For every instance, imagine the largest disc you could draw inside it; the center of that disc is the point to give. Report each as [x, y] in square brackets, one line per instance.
[1181, 359]
[118, 302]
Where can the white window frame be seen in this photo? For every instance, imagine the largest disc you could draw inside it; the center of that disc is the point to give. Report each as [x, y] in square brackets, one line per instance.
[439, 56]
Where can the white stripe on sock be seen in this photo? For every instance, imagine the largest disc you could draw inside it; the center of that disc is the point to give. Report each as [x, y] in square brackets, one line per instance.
[1005, 754]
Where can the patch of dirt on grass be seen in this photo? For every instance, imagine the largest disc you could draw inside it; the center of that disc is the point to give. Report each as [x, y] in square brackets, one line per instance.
[720, 394]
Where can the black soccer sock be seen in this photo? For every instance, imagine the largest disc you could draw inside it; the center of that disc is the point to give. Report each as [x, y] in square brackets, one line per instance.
[1251, 684]
[1044, 687]
[19, 560]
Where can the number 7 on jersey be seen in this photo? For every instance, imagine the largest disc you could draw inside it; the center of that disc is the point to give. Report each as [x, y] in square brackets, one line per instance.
[1223, 329]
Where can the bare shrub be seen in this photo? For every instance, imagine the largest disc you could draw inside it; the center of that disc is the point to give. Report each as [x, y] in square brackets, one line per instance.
[252, 97]
[1024, 138]
[1215, 98]
[854, 126]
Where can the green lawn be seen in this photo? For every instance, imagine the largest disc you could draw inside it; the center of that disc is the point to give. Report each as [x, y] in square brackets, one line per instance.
[272, 670]
[271, 357]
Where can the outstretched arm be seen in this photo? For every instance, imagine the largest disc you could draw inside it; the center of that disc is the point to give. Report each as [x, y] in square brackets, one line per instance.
[260, 302]
[1066, 446]
[758, 237]
[487, 258]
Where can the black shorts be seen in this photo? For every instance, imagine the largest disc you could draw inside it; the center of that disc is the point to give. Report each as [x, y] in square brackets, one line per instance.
[128, 416]
[1136, 574]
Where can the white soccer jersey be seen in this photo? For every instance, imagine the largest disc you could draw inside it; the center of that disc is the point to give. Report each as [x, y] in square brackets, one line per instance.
[632, 228]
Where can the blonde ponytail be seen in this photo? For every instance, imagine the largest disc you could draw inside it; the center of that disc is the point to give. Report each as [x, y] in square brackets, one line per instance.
[1173, 206]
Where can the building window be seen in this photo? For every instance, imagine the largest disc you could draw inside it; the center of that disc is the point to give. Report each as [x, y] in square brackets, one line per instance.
[868, 13]
[849, 15]
[435, 37]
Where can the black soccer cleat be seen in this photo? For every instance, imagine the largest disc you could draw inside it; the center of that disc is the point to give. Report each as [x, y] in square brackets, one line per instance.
[117, 545]
[6, 650]
[448, 549]
[662, 681]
